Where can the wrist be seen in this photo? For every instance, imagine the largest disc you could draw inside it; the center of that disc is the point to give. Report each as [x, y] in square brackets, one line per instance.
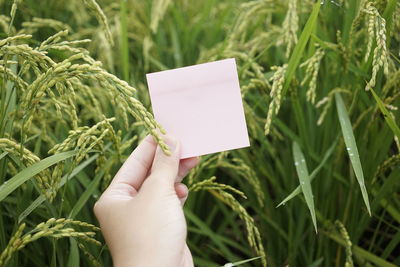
[136, 258]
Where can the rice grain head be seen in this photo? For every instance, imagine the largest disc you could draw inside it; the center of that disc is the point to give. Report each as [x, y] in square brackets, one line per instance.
[290, 27]
[343, 232]
[55, 228]
[253, 234]
[28, 158]
[101, 18]
[158, 9]
[312, 68]
[377, 28]
[278, 79]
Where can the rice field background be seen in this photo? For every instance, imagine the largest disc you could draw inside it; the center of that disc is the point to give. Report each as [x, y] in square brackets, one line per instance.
[319, 185]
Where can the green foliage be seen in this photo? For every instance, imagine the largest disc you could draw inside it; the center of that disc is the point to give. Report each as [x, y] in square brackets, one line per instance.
[351, 147]
[304, 179]
[72, 84]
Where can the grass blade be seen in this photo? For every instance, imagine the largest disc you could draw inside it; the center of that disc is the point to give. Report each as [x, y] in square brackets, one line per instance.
[206, 231]
[231, 264]
[9, 186]
[86, 195]
[3, 155]
[38, 201]
[312, 175]
[89, 190]
[351, 147]
[73, 258]
[304, 178]
[301, 45]
[388, 117]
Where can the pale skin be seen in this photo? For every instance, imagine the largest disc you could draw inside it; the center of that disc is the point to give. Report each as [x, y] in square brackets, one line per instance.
[140, 213]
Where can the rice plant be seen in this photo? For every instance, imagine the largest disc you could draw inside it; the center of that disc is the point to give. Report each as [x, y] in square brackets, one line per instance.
[320, 81]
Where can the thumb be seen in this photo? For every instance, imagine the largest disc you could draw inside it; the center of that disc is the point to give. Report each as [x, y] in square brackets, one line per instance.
[166, 167]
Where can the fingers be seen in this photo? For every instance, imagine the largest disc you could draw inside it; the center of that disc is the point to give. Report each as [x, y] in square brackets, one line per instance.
[182, 192]
[134, 170]
[165, 168]
[185, 166]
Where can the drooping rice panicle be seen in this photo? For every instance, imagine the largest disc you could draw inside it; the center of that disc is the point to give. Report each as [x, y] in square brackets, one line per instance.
[158, 9]
[221, 192]
[19, 82]
[68, 71]
[210, 184]
[377, 29]
[101, 18]
[197, 170]
[239, 167]
[4, 23]
[253, 234]
[388, 163]
[14, 38]
[14, 8]
[37, 23]
[327, 101]
[312, 66]
[371, 20]
[248, 11]
[12, 246]
[93, 260]
[348, 244]
[55, 228]
[277, 80]
[79, 137]
[28, 158]
[290, 27]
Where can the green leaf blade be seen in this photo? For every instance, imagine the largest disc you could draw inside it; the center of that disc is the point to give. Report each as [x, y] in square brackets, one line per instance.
[301, 45]
[351, 147]
[304, 178]
[388, 118]
[40, 199]
[314, 173]
[9, 186]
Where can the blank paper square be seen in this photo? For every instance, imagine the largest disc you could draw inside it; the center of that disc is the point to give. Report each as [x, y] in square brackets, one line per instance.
[201, 106]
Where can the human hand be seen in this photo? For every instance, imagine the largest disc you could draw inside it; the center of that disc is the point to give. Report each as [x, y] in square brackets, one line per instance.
[140, 213]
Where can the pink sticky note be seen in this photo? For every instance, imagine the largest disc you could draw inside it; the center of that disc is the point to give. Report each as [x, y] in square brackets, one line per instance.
[201, 106]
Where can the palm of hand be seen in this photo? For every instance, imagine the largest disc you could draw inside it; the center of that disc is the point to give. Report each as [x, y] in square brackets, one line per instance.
[141, 214]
